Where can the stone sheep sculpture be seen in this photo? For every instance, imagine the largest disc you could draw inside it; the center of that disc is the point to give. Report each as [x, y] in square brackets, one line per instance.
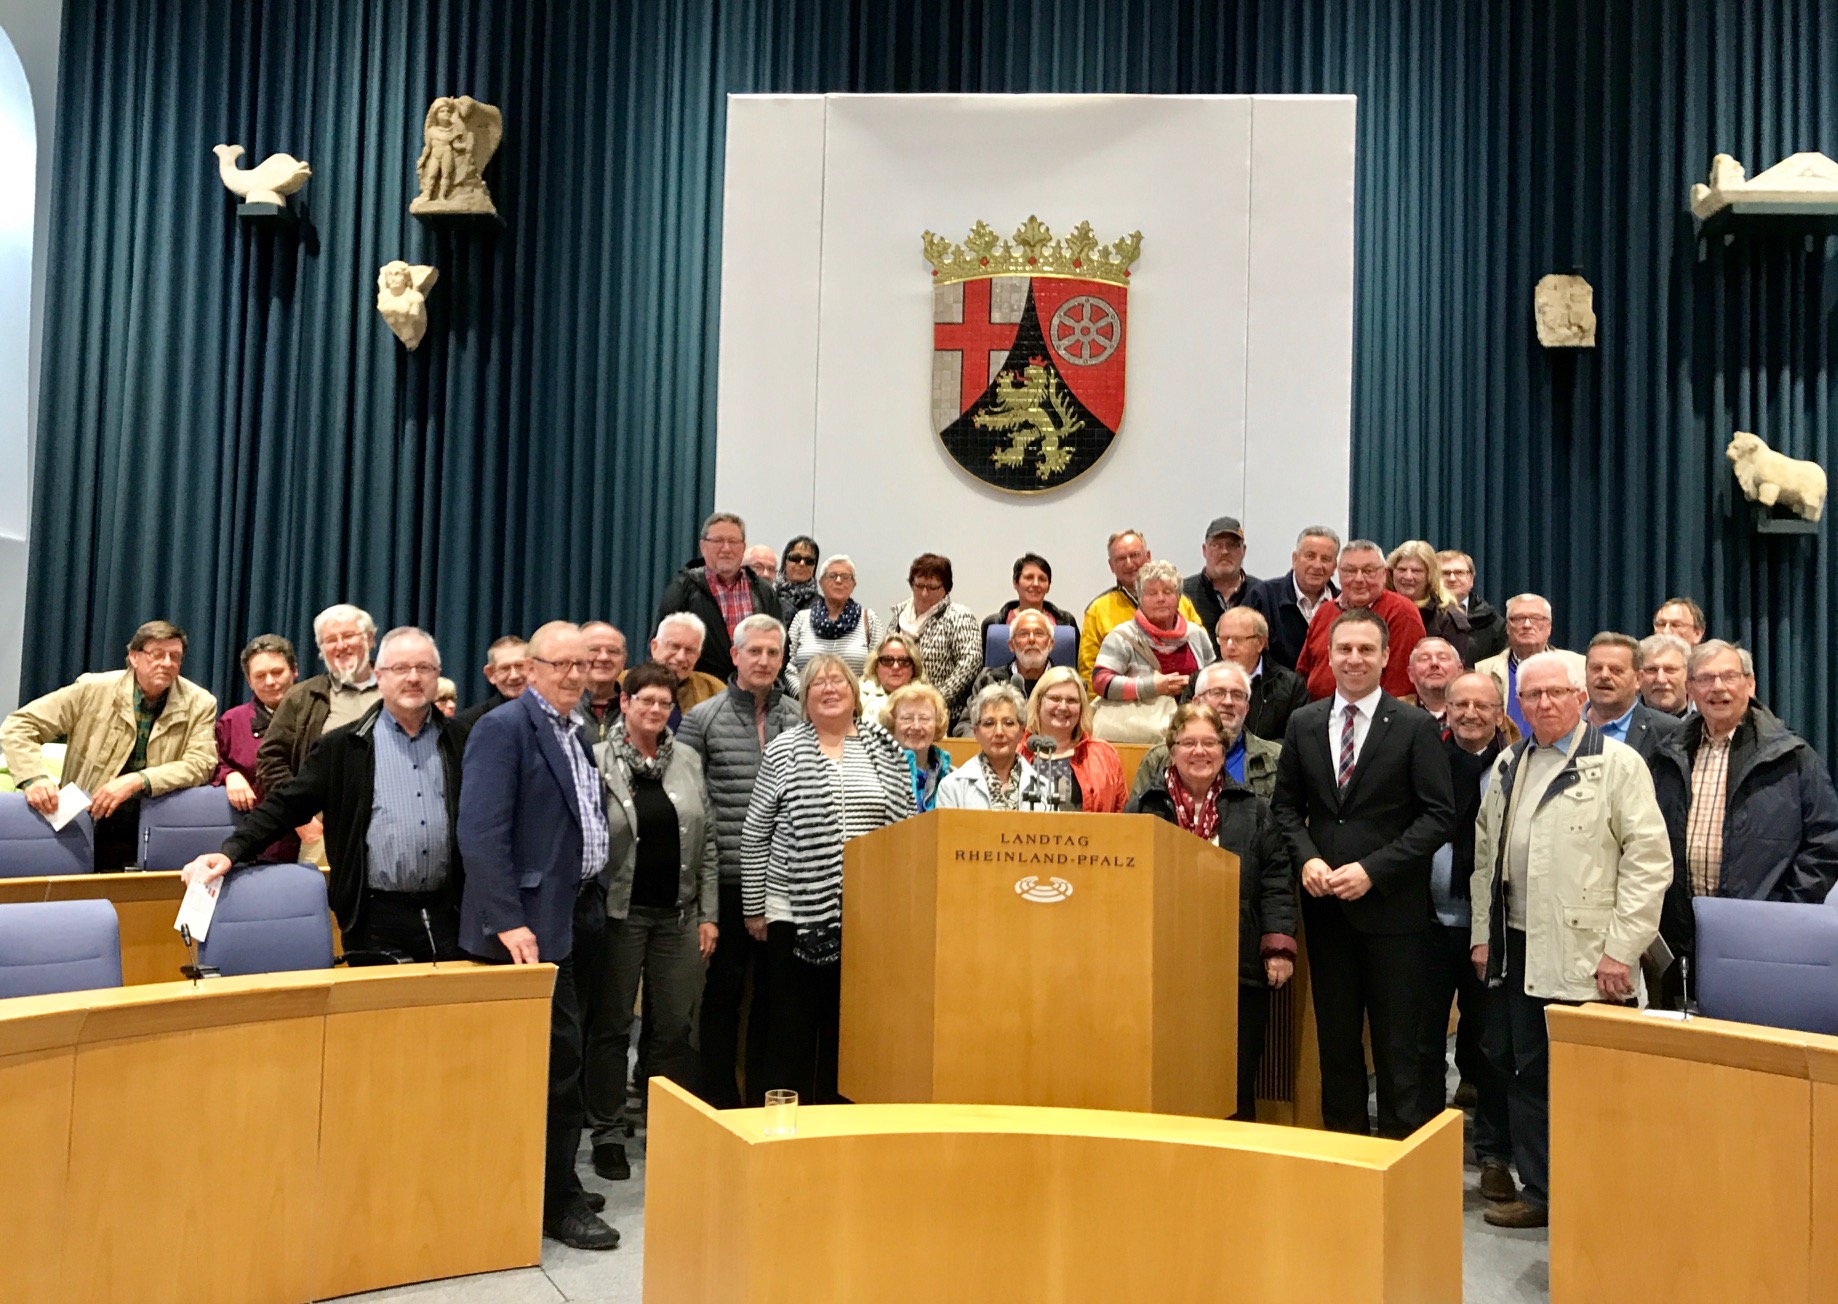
[1768, 477]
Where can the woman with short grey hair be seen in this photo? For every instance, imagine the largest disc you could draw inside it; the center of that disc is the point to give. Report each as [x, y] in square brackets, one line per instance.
[996, 778]
[835, 624]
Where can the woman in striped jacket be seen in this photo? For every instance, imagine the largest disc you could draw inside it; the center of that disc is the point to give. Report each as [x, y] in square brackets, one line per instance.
[833, 778]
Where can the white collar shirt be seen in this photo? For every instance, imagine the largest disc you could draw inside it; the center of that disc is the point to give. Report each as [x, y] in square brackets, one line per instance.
[1362, 723]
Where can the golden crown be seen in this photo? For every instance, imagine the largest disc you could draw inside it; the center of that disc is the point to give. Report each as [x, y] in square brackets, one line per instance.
[1032, 252]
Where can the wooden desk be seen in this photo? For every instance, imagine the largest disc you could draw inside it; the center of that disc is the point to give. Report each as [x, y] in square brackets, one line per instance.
[285, 1137]
[146, 904]
[981, 1202]
[1691, 1160]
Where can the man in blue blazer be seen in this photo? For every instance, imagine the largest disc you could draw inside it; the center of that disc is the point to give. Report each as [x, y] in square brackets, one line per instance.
[532, 814]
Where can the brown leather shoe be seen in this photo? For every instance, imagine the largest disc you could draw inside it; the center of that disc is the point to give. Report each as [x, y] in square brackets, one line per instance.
[1517, 1213]
[1497, 1182]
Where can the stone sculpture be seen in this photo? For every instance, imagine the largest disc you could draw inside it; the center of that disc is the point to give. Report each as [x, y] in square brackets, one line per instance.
[402, 299]
[460, 135]
[1800, 183]
[268, 182]
[1564, 307]
[1768, 477]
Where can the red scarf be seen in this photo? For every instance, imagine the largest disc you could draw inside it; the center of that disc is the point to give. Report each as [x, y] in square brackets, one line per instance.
[1201, 817]
[1173, 653]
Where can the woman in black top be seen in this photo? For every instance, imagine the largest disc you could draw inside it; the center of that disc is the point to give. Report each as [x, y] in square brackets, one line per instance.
[661, 905]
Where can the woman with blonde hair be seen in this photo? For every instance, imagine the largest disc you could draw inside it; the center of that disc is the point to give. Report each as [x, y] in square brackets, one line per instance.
[1412, 571]
[892, 665]
[916, 717]
[1082, 772]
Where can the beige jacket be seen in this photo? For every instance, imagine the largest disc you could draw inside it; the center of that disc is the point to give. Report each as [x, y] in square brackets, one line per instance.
[1599, 867]
[97, 715]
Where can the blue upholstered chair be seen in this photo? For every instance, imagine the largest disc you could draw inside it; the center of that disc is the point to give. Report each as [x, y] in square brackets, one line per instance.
[58, 946]
[269, 919]
[996, 653]
[182, 825]
[1768, 962]
[29, 849]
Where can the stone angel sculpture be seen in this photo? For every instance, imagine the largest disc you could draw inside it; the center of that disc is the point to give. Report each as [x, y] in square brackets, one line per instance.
[459, 137]
[402, 299]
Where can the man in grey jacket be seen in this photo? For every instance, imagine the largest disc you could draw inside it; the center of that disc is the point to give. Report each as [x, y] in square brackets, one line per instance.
[730, 733]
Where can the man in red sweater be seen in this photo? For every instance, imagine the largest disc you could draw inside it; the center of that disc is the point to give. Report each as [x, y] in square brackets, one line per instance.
[1362, 584]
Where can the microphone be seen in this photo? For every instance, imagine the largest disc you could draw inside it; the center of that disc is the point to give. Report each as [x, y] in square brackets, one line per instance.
[428, 926]
[1043, 747]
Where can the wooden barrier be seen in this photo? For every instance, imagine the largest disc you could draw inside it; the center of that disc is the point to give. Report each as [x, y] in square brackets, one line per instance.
[924, 1203]
[1691, 1160]
[284, 1137]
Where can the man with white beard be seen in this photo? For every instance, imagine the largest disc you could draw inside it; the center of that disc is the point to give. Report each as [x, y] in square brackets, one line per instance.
[346, 636]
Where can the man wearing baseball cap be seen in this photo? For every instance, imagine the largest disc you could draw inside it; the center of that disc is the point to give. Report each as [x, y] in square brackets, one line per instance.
[1221, 582]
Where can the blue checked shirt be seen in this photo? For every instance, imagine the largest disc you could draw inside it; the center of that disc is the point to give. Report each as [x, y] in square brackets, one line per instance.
[409, 840]
[594, 838]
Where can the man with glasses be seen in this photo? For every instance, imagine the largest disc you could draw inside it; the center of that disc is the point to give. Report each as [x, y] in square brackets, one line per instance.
[599, 707]
[1486, 626]
[1682, 618]
[1749, 806]
[721, 593]
[1250, 760]
[1528, 632]
[389, 784]
[139, 732]
[507, 670]
[1362, 587]
[1221, 583]
[678, 644]
[1570, 870]
[532, 827]
[1277, 692]
[763, 562]
[345, 636]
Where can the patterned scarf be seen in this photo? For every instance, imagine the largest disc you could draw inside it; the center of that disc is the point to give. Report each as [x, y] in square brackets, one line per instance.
[794, 598]
[1172, 651]
[841, 627]
[1004, 796]
[636, 763]
[1199, 817]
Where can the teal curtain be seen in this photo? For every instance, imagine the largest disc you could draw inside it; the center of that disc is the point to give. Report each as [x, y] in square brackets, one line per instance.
[230, 437]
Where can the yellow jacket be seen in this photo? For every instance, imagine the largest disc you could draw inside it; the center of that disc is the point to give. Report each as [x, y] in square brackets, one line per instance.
[97, 715]
[1107, 611]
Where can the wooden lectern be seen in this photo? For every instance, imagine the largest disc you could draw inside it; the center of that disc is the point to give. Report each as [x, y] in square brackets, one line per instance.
[1003, 958]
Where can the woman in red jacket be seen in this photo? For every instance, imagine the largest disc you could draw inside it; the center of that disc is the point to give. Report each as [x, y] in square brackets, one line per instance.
[1087, 771]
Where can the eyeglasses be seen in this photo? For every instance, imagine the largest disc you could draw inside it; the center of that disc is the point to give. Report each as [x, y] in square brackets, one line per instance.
[1226, 695]
[163, 658]
[1540, 694]
[1198, 745]
[577, 667]
[724, 542]
[927, 586]
[1716, 678]
[839, 577]
[800, 560]
[652, 703]
[1361, 570]
[1528, 620]
[412, 668]
[895, 662]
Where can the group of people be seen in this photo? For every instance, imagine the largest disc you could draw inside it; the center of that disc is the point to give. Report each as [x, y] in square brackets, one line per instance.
[1383, 751]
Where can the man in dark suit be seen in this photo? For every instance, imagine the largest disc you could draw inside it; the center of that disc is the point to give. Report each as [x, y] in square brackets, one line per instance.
[1289, 602]
[532, 831]
[1612, 671]
[1364, 797]
[1276, 693]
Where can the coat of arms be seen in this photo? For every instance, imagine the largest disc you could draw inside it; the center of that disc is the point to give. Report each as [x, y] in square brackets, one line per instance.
[1028, 351]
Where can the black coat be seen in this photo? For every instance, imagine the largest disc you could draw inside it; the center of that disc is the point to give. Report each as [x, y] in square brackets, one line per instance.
[689, 591]
[1276, 694]
[339, 780]
[1780, 818]
[1486, 632]
[1649, 728]
[1205, 598]
[1399, 807]
[1266, 880]
[1275, 600]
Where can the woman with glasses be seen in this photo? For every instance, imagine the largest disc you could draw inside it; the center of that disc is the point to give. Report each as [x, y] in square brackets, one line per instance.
[836, 625]
[833, 778]
[915, 715]
[1083, 772]
[949, 638]
[996, 778]
[797, 586]
[892, 665]
[662, 900]
[1199, 796]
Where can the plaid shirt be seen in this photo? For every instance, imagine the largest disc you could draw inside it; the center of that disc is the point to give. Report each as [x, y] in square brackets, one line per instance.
[1704, 821]
[734, 597]
[594, 838]
[146, 712]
